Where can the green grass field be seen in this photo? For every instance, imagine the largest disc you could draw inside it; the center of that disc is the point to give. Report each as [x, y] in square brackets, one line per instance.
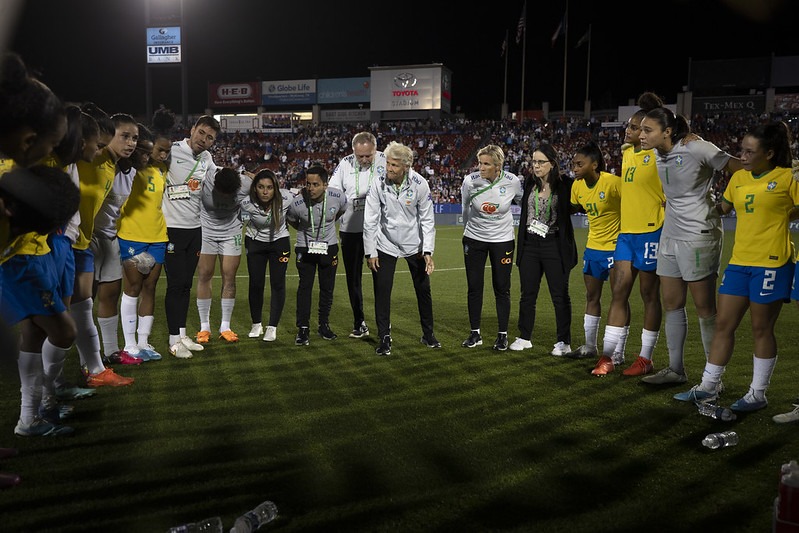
[424, 440]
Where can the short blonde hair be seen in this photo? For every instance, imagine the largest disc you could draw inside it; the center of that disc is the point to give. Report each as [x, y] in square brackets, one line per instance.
[396, 150]
[495, 153]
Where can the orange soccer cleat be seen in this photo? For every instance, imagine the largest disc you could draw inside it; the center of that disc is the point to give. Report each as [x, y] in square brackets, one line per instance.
[640, 367]
[603, 367]
[229, 336]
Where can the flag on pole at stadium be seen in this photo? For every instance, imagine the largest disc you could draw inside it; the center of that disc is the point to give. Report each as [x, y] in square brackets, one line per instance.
[560, 29]
[522, 24]
[504, 46]
[585, 38]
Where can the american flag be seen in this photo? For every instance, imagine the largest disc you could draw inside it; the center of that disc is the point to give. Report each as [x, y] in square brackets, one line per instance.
[522, 24]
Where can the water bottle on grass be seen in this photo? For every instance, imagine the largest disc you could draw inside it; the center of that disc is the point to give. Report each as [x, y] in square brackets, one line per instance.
[253, 520]
[720, 440]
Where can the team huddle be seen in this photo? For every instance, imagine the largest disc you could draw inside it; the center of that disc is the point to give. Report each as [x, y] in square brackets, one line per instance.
[133, 201]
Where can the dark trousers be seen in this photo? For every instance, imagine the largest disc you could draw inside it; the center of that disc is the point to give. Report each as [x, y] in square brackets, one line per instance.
[307, 267]
[500, 254]
[180, 263]
[276, 255]
[352, 254]
[541, 257]
[383, 281]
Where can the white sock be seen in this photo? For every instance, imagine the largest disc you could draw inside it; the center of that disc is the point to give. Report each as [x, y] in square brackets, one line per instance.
[676, 332]
[612, 334]
[711, 377]
[31, 377]
[173, 340]
[707, 326]
[618, 353]
[591, 327]
[145, 328]
[128, 309]
[227, 313]
[649, 340]
[53, 359]
[109, 333]
[762, 369]
[182, 332]
[204, 308]
[87, 340]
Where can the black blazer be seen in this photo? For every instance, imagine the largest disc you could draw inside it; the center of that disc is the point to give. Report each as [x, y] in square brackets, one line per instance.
[566, 244]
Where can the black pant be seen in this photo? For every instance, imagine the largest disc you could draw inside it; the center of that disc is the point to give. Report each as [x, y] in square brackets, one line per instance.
[180, 263]
[277, 255]
[352, 254]
[475, 254]
[541, 257]
[383, 281]
[307, 266]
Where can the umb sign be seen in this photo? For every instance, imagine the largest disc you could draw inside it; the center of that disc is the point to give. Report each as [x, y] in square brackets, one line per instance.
[163, 45]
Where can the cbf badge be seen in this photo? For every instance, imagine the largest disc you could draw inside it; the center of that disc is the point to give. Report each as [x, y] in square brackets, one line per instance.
[408, 197]
[502, 191]
[602, 195]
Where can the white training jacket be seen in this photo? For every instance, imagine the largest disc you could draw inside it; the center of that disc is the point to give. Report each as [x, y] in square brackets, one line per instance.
[355, 182]
[399, 223]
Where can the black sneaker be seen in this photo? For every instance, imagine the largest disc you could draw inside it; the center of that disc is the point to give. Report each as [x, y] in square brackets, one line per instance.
[501, 344]
[360, 331]
[430, 342]
[303, 337]
[474, 340]
[385, 346]
[326, 333]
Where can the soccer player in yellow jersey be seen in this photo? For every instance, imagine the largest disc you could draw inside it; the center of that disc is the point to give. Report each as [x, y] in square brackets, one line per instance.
[598, 194]
[761, 269]
[635, 256]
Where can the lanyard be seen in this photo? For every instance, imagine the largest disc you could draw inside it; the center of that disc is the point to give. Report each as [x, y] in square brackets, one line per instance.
[484, 189]
[549, 203]
[358, 178]
[322, 221]
[398, 188]
[191, 173]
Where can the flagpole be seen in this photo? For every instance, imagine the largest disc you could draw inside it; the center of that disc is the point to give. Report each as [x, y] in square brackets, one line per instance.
[505, 95]
[565, 53]
[524, 60]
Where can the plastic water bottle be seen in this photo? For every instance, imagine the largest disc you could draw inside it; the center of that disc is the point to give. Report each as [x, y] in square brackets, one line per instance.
[206, 525]
[716, 411]
[253, 520]
[720, 440]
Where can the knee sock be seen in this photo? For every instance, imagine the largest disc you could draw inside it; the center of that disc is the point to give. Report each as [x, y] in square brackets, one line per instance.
[649, 340]
[109, 333]
[204, 308]
[31, 379]
[676, 332]
[591, 327]
[128, 310]
[145, 328]
[227, 313]
[87, 340]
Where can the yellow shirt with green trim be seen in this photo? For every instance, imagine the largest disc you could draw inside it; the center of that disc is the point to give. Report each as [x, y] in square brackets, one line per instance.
[642, 198]
[141, 218]
[96, 179]
[602, 205]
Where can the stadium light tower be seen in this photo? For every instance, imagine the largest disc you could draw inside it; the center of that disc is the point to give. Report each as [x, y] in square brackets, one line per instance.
[166, 31]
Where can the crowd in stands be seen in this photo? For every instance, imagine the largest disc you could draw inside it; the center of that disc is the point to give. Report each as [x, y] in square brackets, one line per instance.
[445, 152]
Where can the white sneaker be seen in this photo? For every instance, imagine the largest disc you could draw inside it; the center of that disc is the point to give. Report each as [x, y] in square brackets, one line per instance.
[786, 418]
[180, 351]
[271, 333]
[561, 348]
[256, 331]
[191, 345]
[520, 344]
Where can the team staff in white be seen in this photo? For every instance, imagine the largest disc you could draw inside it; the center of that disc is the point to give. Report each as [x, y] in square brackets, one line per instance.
[267, 242]
[189, 164]
[487, 196]
[353, 175]
[314, 213]
[399, 222]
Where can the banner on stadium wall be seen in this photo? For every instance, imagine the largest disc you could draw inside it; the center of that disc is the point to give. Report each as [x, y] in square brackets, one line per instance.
[786, 102]
[279, 122]
[412, 87]
[233, 123]
[755, 103]
[288, 92]
[343, 91]
[234, 94]
[344, 115]
[163, 45]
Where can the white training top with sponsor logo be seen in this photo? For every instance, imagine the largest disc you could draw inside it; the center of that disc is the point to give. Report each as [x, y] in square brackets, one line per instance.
[687, 176]
[219, 212]
[182, 192]
[355, 182]
[318, 223]
[486, 205]
[399, 221]
[258, 223]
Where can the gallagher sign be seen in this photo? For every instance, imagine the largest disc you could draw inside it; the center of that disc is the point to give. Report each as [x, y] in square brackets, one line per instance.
[163, 45]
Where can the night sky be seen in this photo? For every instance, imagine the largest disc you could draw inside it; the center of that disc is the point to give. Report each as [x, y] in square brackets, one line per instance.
[95, 49]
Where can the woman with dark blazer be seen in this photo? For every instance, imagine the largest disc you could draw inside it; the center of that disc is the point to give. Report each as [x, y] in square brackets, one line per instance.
[546, 247]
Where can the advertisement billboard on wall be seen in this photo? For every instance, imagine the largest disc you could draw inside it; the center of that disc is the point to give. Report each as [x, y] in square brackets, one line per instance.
[234, 94]
[343, 91]
[163, 45]
[412, 87]
[754, 103]
[288, 92]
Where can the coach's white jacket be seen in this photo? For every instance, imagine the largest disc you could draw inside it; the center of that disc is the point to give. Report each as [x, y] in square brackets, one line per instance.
[400, 222]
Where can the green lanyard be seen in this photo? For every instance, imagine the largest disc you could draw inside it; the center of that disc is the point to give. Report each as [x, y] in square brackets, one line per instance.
[322, 220]
[484, 189]
[358, 180]
[196, 162]
[398, 188]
